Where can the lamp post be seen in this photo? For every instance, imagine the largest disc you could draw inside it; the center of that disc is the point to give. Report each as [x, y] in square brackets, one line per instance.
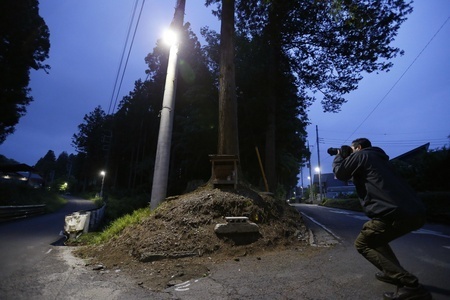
[102, 173]
[161, 172]
[317, 169]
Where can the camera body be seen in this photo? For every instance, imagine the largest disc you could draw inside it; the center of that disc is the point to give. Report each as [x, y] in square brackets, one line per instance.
[345, 151]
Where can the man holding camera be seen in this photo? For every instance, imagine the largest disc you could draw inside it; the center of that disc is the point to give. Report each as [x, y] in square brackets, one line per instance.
[392, 206]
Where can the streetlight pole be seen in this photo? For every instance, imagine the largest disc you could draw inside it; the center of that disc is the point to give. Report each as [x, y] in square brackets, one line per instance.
[161, 172]
[103, 173]
[318, 161]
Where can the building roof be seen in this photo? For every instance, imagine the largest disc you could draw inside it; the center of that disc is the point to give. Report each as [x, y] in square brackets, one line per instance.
[413, 154]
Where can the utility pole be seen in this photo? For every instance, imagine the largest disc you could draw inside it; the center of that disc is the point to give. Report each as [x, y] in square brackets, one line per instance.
[162, 161]
[318, 162]
[311, 190]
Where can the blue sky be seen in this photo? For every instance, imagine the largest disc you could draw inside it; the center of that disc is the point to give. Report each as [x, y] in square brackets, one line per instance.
[399, 110]
[404, 108]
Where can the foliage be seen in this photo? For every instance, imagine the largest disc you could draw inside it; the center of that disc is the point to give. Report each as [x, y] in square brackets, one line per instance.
[349, 204]
[124, 144]
[437, 204]
[428, 172]
[116, 227]
[24, 44]
[297, 48]
[57, 172]
[285, 53]
[89, 144]
[7, 161]
[330, 43]
[46, 166]
[22, 194]
[119, 205]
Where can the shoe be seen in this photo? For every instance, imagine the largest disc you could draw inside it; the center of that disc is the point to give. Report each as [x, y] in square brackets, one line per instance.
[408, 293]
[383, 277]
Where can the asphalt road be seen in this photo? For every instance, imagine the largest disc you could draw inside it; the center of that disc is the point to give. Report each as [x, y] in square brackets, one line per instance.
[25, 242]
[425, 252]
[33, 266]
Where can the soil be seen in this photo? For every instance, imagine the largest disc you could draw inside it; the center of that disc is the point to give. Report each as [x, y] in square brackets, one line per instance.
[178, 242]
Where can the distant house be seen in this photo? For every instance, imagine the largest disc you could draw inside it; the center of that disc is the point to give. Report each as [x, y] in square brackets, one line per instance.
[411, 156]
[20, 173]
[333, 187]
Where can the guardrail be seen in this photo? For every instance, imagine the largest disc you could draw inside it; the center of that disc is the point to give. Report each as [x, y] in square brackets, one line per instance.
[83, 221]
[17, 212]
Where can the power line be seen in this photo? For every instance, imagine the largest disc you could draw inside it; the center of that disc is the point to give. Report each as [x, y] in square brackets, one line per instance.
[116, 89]
[395, 84]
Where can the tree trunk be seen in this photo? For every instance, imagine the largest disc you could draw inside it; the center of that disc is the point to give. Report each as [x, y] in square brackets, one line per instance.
[273, 33]
[270, 158]
[228, 124]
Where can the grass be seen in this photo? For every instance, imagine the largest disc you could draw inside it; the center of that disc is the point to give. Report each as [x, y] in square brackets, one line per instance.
[114, 229]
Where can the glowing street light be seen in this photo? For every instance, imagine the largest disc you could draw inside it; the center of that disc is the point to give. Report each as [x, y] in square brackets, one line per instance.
[102, 173]
[317, 169]
[170, 37]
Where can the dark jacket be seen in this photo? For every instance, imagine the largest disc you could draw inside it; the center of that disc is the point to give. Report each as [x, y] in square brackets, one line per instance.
[382, 193]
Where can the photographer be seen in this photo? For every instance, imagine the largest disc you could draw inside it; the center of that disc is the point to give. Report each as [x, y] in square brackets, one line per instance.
[393, 207]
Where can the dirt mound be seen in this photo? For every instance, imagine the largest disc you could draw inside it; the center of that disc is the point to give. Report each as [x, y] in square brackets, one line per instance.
[178, 241]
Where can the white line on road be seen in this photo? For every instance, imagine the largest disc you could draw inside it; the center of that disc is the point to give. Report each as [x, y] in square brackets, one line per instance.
[182, 287]
[323, 226]
[431, 232]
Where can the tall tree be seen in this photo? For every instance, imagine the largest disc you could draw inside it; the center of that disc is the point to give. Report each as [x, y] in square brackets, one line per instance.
[88, 143]
[328, 45]
[62, 166]
[24, 44]
[46, 166]
[228, 123]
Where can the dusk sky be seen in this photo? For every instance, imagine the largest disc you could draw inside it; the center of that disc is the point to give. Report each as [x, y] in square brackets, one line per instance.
[398, 111]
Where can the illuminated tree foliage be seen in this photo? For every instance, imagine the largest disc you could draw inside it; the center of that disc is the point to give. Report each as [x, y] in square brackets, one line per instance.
[287, 53]
[322, 47]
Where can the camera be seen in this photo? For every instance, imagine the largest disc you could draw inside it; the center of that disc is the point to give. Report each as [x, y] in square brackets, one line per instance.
[345, 151]
[333, 151]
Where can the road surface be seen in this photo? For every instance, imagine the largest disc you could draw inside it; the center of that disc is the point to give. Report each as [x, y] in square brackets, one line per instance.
[425, 252]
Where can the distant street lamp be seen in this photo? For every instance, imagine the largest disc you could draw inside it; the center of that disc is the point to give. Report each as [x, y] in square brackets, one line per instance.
[102, 173]
[161, 172]
[317, 169]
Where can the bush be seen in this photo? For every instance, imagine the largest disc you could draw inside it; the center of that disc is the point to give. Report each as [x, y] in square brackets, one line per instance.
[349, 204]
[118, 206]
[22, 194]
[438, 206]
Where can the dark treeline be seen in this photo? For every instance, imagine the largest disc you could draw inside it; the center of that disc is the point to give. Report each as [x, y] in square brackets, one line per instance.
[287, 54]
[124, 143]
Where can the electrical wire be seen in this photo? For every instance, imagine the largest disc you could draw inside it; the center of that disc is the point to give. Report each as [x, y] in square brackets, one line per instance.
[117, 87]
[400, 78]
[121, 58]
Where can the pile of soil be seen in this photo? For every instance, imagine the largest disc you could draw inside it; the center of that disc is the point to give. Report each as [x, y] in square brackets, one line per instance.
[178, 241]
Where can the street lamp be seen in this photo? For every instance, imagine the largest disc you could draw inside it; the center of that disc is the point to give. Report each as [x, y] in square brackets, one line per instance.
[102, 173]
[317, 169]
